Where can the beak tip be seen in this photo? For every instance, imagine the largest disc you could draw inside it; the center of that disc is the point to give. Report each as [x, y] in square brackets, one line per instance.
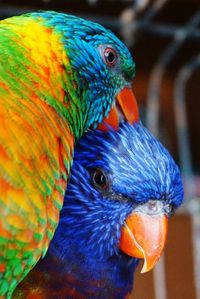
[143, 237]
[128, 107]
[145, 268]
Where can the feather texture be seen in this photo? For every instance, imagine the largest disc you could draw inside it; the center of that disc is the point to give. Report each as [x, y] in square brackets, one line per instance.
[54, 84]
[84, 260]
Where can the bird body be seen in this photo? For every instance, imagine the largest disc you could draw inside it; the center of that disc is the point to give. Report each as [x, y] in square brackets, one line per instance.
[57, 78]
[115, 175]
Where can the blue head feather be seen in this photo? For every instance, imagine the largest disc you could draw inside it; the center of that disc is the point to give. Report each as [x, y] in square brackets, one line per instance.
[137, 169]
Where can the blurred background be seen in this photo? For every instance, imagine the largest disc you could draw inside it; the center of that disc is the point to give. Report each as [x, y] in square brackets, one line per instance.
[164, 38]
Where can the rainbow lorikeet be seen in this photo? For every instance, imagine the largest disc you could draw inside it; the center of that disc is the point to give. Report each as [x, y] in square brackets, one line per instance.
[123, 187]
[59, 75]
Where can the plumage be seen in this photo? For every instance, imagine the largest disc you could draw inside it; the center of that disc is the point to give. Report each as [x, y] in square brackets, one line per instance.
[55, 82]
[114, 174]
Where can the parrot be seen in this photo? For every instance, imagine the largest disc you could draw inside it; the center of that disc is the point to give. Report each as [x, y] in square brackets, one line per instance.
[123, 188]
[59, 76]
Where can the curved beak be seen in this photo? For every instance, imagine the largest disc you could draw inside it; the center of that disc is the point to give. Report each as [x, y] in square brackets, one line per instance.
[144, 236]
[125, 107]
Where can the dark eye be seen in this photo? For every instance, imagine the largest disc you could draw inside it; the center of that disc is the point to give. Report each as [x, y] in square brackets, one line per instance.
[110, 56]
[100, 180]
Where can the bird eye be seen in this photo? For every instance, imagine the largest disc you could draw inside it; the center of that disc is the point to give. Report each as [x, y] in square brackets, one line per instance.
[100, 180]
[110, 56]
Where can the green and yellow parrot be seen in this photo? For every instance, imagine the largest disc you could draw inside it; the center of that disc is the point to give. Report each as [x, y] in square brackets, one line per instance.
[59, 75]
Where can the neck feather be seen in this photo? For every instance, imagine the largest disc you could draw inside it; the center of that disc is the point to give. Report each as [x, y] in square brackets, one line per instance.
[39, 69]
[79, 278]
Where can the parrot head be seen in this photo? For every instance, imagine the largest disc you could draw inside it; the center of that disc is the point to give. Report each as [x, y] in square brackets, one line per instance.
[100, 69]
[121, 194]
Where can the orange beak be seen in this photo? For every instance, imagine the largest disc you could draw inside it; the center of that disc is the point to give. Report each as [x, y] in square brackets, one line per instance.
[127, 104]
[144, 236]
